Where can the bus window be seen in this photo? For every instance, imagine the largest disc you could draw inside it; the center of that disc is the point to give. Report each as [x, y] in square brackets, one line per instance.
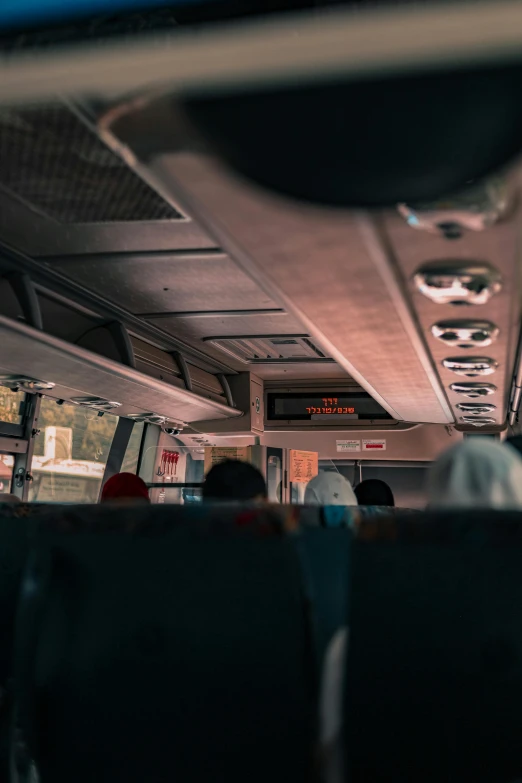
[11, 411]
[70, 453]
[6, 472]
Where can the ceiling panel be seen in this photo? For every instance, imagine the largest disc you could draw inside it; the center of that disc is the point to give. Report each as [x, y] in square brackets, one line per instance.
[37, 235]
[325, 267]
[191, 329]
[169, 283]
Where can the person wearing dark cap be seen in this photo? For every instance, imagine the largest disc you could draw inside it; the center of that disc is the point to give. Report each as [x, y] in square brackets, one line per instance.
[125, 489]
[233, 481]
[374, 492]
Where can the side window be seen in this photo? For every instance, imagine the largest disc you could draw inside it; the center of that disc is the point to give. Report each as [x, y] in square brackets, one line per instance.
[6, 472]
[70, 453]
[11, 411]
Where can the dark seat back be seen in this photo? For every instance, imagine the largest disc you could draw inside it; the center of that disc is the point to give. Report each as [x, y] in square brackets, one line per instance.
[434, 686]
[179, 651]
[326, 559]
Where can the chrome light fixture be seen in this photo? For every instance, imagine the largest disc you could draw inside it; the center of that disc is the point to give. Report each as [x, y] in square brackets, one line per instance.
[473, 391]
[465, 334]
[471, 366]
[457, 282]
[476, 408]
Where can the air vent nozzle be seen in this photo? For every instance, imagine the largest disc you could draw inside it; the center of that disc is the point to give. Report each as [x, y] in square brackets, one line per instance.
[471, 366]
[457, 282]
[475, 422]
[465, 334]
[473, 391]
[476, 408]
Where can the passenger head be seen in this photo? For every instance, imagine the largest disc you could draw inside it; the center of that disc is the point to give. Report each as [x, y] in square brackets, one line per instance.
[125, 489]
[234, 481]
[476, 473]
[8, 497]
[374, 492]
[329, 489]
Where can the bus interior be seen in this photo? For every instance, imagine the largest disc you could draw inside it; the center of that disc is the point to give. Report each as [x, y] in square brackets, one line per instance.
[170, 267]
[281, 231]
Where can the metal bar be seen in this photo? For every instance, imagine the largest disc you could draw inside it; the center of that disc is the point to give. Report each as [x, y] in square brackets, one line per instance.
[515, 402]
[142, 447]
[137, 255]
[52, 281]
[184, 485]
[214, 313]
[23, 289]
[183, 368]
[32, 432]
[13, 446]
[117, 451]
[227, 390]
[23, 459]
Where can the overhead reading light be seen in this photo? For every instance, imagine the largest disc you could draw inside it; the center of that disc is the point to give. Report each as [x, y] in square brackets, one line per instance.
[22, 382]
[475, 422]
[476, 408]
[471, 366]
[457, 282]
[465, 334]
[473, 390]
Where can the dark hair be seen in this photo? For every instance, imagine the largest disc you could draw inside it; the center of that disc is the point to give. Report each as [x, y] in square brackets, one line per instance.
[125, 485]
[515, 442]
[234, 480]
[374, 492]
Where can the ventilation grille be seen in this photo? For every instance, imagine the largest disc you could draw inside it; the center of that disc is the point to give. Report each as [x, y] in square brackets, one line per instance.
[270, 349]
[53, 162]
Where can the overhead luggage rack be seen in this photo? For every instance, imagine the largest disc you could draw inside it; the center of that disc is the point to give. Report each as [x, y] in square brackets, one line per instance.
[77, 372]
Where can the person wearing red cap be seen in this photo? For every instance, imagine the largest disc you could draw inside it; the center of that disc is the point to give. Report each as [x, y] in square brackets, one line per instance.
[125, 489]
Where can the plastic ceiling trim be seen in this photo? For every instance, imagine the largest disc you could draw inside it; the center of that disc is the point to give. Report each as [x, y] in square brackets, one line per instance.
[382, 258]
[282, 50]
[19, 341]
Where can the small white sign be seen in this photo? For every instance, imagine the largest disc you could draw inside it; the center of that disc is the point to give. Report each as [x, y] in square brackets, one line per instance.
[374, 445]
[348, 445]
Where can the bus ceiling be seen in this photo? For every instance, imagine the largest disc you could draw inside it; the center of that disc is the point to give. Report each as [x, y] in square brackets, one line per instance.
[305, 198]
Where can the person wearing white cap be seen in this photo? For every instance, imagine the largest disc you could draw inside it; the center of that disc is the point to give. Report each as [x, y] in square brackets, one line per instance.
[476, 473]
[329, 489]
